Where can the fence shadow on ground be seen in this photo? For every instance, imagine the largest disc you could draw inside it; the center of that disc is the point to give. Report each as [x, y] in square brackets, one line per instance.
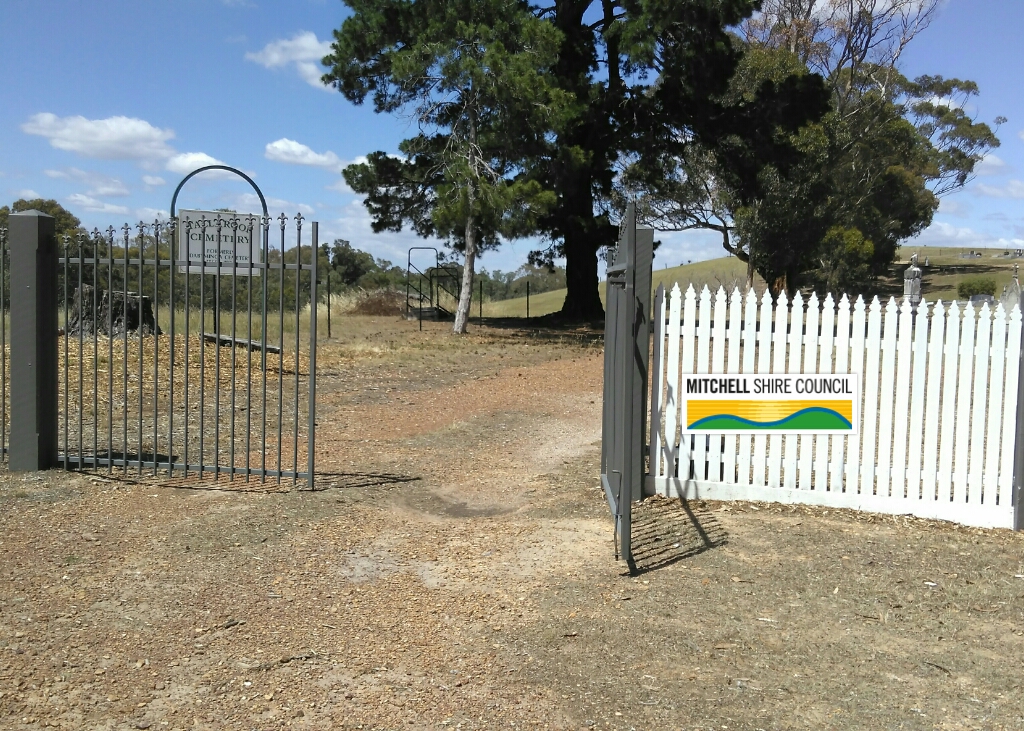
[225, 482]
[666, 531]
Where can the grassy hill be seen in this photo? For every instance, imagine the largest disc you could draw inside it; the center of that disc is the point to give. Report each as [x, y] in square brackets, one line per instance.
[945, 271]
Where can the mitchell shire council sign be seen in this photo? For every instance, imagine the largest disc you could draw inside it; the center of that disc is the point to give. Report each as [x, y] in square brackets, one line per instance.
[235, 239]
[804, 403]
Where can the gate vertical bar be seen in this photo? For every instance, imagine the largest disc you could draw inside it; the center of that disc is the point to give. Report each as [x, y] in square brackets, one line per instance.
[110, 349]
[142, 386]
[298, 282]
[219, 223]
[81, 352]
[171, 231]
[234, 338]
[95, 354]
[203, 225]
[64, 280]
[280, 354]
[156, 344]
[124, 339]
[3, 342]
[311, 429]
[186, 257]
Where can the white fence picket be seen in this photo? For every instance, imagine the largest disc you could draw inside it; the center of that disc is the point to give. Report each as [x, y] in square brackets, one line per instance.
[746, 444]
[944, 479]
[718, 317]
[856, 366]
[689, 338]
[779, 353]
[764, 351]
[700, 441]
[976, 458]
[901, 406]
[915, 426]
[826, 341]
[872, 351]
[883, 452]
[962, 443]
[842, 447]
[810, 365]
[932, 404]
[657, 380]
[671, 454]
[733, 333]
[990, 481]
[794, 364]
[1013, 346]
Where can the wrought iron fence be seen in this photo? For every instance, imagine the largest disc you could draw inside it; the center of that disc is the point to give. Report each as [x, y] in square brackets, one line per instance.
[178, 362]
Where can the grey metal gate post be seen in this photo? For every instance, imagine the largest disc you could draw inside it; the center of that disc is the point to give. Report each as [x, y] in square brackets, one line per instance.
[627, 342]
[33, 251]
[1018, 447]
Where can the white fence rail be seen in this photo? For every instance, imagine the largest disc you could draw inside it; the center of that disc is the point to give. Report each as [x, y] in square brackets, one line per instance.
[938, 416]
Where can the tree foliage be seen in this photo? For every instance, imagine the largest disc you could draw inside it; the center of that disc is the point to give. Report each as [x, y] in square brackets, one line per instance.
[65, 222]
[865, 176]
[471, 73]
[598, 84]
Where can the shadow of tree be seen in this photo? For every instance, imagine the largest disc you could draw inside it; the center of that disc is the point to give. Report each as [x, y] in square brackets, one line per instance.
[668, 530]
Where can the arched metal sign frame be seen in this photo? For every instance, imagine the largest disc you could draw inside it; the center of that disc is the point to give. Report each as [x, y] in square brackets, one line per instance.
[236, 171]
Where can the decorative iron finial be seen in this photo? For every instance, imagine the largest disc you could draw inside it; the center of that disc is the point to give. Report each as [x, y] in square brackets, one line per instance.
[298, 221]
[284, 221]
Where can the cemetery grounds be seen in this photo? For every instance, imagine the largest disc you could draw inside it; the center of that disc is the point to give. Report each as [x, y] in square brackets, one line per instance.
[455, 570]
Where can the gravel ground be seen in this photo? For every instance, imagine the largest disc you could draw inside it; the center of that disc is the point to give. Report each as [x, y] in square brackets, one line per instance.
[456, 571]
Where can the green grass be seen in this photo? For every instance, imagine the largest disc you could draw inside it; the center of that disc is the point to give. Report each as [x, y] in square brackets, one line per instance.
[947, 270]
[726, 272]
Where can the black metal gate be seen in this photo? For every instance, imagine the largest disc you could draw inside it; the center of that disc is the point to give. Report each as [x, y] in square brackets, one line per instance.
[190, 365]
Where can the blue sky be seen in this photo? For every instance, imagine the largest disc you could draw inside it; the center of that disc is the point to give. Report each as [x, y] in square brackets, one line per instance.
[108, 104]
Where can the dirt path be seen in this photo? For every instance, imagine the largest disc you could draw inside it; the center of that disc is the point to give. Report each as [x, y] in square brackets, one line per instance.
[457, 572]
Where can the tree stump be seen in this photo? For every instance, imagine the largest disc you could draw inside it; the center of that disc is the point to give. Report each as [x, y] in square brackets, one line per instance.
[110, 313]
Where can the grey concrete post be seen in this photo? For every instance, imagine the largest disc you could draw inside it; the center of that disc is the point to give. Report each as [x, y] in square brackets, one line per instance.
[33, 251]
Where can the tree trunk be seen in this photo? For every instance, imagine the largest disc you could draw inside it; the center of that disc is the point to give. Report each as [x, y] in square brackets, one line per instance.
[110, 313]
[466, 292]
[583, 296]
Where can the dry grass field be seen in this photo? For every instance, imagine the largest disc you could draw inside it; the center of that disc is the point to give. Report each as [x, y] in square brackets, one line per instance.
[947, 269]
[454, 570]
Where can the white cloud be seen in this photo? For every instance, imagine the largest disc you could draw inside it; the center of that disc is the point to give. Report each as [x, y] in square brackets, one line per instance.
[153, 180]
[1021, 134]
[91, 204]
[250, 203]
[1013, 189]
[99, 184]
[990, 165]
[340, 186]
[186, 162]
[113, 138]
[303, 51]
[295, 153]
[27, 194]
[952, 207]
[944, 234]
[150, 214]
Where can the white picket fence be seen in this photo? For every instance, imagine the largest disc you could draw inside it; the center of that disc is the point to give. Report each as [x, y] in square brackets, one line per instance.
[938, 416]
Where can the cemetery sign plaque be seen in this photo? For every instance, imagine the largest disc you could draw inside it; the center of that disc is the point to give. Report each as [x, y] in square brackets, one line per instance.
[235, 239]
